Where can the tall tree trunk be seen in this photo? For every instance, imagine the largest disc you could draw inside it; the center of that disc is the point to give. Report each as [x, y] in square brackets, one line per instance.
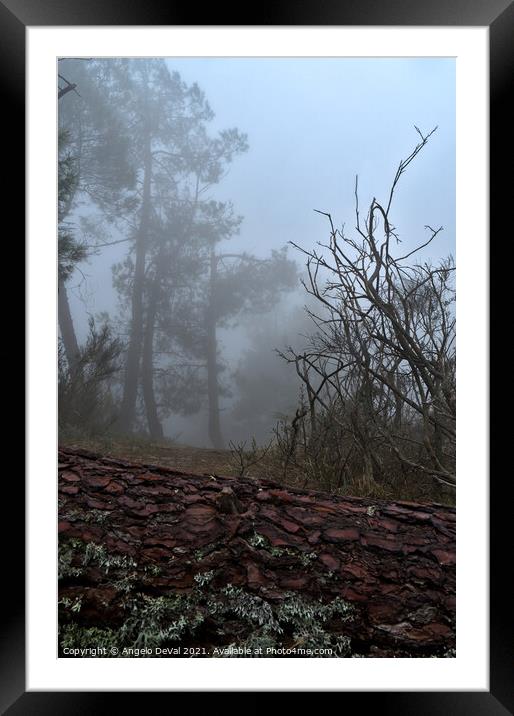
[215, 434]
[132, 369]
[147, 374]
[69, 338]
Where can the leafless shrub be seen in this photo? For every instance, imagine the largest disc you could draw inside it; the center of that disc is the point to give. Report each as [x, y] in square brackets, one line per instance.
[243, 459]
[381, 363]
[313, 453]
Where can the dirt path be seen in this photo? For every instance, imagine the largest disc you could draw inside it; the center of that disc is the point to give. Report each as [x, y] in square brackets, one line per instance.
[181, 457]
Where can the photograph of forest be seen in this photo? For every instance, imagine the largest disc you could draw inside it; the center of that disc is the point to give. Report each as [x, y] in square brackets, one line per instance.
[256, 357]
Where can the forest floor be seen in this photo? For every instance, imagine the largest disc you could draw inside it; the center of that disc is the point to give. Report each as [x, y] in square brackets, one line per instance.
[208, 461]
[187, 458]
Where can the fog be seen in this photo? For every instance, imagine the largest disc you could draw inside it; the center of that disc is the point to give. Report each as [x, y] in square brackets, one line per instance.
[222, 294]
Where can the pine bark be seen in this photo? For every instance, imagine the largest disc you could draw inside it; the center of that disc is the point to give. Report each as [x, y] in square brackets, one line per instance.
[394, 562]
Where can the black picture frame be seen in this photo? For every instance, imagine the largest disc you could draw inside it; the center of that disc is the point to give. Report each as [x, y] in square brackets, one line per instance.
[498, 15]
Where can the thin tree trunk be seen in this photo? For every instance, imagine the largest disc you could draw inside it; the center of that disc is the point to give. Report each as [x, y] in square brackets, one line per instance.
[147, 374]
[215, 434]
[69, 338]
[68, 335]
[437, 440]
[132, 369]
[367, 479]
[398, 402]
[398, 410]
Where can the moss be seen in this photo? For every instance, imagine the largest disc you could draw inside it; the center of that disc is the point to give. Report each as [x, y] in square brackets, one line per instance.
[307, 557]
[148, 621]
[204, 578]
[153, 569]
[249, 608]
[99, 517]
[259, 541]
[98, 554]
[298, 622]
[66, 556]
[155, 621]
[74, 605]
[75, 636]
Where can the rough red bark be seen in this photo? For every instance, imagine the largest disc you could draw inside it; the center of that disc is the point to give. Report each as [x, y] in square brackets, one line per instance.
[394, 561]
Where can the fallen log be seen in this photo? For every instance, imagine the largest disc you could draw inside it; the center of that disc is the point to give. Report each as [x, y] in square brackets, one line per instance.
[158, 560]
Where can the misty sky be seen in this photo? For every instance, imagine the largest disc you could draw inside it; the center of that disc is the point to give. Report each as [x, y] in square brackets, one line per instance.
[312, 125]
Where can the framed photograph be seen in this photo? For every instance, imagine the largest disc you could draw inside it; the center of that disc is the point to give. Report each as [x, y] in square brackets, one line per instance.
[258, 294]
